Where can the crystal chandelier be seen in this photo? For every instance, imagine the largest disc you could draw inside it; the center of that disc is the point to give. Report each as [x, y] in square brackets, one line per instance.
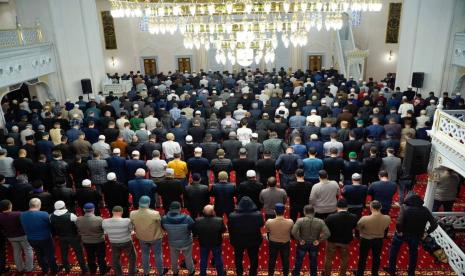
[242, 31]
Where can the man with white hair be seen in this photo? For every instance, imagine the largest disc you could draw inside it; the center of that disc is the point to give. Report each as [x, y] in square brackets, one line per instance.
[140, 186]
[63, 224]
[36, 225]
[101, 147]
[76, 113]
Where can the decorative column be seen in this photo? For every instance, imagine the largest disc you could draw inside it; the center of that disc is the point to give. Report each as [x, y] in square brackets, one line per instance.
[201, 57]
[296, 58]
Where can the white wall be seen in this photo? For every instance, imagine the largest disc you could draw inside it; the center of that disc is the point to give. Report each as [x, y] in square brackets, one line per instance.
[72, 27]
[425, 39]
[371, 35]
[7, 15]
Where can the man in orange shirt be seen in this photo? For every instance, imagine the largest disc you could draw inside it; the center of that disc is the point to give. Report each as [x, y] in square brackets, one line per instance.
[179, 167]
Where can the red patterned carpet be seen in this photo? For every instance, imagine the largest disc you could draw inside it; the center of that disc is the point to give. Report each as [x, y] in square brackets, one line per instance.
[426, 264]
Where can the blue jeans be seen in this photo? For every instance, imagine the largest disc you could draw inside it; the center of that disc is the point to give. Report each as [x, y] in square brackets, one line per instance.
[397, 241]
[145, 247]
[204, 253]
[285, 179]
[300, 255]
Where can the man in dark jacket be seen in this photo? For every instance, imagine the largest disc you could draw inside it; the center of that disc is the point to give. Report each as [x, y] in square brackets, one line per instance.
[133, 164]
[66, 194]
[266, 167]
[117, 165]
[196, 196]
[371, 167]
[224, 193]
[209, 147]
[287, 163]
[63, 224]
[19, 192]
[231, 146]
[116, 194]
[251, 188]
[179, 229]
[410, 228]
[334, 165]
[341, 226]
[45, 197]
[298, 192]
[170, 189]
[242, 165]
[199, 165]
[209, 229]
[140, 186]
[87, 194]
[244, 226]
[59, 170]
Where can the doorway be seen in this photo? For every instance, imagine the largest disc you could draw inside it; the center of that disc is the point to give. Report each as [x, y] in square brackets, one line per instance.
[184, 64]
[315, 62]
[150, 66]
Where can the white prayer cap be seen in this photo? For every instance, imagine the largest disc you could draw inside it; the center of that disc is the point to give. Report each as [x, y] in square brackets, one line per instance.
[86, 183]
[251, 173]
[111, 176]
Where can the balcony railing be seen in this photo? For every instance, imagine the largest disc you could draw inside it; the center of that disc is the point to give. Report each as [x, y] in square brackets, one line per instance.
[21, 36]
[449, 127]
[454, 253]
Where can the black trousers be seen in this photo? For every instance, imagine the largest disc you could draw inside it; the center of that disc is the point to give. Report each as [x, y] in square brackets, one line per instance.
[2, 253]
[75, 244]
[295, 211]
[96, 251]
[282, 249]
[252, 252]
[375, 245]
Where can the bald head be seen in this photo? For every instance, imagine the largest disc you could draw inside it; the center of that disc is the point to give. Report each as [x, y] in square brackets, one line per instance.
[208, 210]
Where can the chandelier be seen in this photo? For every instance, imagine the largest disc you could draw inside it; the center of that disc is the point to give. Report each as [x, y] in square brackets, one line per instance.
[241, 31]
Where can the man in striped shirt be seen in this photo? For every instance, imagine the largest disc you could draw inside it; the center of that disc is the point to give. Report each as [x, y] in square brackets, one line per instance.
[119, 231]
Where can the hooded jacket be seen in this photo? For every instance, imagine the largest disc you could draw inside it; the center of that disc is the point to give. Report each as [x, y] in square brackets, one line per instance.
[414, 216]
[179, 228]
[245, 223]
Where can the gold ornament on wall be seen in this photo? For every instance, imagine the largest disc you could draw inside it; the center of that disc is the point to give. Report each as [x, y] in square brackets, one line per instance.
[393, 23]
[109, 30]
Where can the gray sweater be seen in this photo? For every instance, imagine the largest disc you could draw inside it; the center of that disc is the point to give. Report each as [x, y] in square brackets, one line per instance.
[323, 197]
[270, 196]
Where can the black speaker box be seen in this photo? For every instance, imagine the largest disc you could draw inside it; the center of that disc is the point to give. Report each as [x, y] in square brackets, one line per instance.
[417, 79]
[416, 158]
[86, 86]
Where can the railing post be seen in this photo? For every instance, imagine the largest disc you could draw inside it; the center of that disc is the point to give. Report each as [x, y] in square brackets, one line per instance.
[19, 34]
[40, 36]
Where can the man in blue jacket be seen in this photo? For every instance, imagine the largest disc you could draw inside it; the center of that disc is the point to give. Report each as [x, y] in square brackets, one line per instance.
[36, 225]
[140, 186]
[244, 226]
[179, 228]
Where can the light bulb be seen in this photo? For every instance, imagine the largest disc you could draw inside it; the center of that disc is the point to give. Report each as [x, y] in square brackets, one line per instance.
[211, 9]
[229, 7]
[267, 7]
[192, 9]
[303, 6]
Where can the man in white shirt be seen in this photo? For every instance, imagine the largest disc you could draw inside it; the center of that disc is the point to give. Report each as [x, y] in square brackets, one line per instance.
[404, 107]
[170, 147]
[333, 89]
[283, 107]
[150, 121]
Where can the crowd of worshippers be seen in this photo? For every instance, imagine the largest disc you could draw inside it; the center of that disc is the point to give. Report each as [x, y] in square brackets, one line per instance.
[251, 142]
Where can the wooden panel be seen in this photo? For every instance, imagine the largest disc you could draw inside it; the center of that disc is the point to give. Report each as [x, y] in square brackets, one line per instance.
[150, 66]
[184, 64]
[314, 62]
[393, 23]
[109, 30]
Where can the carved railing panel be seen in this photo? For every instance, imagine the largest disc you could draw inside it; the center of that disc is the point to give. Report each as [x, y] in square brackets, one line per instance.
[457, 219]
[454, 253]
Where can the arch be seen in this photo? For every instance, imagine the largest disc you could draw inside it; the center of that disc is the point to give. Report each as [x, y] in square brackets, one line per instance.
[460, 86]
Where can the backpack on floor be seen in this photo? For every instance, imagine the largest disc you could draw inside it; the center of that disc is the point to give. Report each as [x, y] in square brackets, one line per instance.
[432, 247]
